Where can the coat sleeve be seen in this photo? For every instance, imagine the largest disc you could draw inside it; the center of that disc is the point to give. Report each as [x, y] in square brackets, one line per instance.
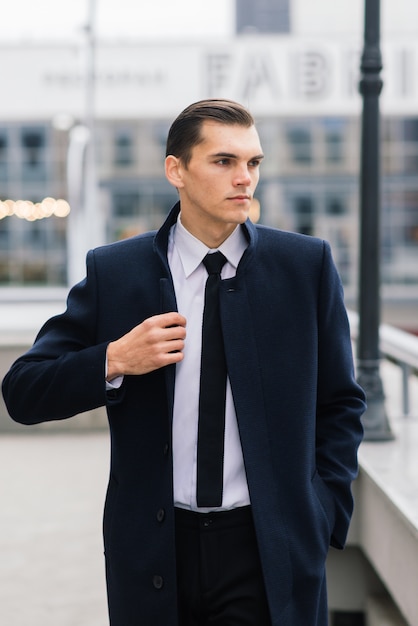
[340, 400]
[64, 372]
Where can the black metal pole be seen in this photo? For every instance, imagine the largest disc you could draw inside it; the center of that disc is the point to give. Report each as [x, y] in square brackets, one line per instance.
[375, 422]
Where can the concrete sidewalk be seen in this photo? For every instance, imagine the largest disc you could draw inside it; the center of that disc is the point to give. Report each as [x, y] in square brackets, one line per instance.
[52, 489]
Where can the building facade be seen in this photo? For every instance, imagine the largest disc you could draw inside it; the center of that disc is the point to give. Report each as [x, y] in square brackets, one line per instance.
[304, 95]
[263, 16]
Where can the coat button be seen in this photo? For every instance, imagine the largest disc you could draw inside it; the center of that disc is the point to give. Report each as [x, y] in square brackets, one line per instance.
[157, 581]
[166, 449]
[161, 515]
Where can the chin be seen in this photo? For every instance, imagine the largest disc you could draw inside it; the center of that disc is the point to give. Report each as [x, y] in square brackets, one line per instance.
[241, 217]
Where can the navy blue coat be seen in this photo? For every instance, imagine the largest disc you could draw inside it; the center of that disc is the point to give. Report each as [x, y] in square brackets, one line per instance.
[297, 403]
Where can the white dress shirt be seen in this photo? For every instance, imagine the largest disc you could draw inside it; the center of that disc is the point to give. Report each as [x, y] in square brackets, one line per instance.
[185, 255]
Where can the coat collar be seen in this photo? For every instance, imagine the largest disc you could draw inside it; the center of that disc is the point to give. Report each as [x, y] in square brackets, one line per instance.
[162, 235]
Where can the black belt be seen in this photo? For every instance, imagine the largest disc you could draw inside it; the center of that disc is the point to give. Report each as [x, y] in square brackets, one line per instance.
[215, 519]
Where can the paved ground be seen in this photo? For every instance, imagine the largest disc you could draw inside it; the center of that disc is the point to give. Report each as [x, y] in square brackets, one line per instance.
[52, 489]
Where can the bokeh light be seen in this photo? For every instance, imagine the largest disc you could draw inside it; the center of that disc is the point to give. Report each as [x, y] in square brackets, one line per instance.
[30, 211]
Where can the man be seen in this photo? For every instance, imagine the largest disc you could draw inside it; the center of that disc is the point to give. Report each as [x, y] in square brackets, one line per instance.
[255, 555]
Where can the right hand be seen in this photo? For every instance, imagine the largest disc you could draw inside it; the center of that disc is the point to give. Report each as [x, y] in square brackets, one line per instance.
[156, 342]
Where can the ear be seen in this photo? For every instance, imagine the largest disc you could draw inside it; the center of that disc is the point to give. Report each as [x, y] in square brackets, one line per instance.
[173, 171]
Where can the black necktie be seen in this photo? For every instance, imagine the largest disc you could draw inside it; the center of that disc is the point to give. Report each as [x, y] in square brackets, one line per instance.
[210, 443]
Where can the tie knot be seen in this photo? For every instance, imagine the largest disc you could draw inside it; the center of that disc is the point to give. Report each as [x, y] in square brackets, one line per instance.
[214, 262]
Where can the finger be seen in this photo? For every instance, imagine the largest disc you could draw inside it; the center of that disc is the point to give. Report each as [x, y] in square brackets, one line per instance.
[174, 346]
[172, 319]
[172, 357]
[174, 332]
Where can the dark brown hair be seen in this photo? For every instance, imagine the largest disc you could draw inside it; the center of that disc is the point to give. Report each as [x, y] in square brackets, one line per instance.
[185, 133]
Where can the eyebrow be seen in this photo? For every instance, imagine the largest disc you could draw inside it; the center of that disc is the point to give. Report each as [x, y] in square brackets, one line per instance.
[231, 155]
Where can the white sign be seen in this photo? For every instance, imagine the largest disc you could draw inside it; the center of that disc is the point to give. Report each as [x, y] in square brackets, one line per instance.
[272, 75]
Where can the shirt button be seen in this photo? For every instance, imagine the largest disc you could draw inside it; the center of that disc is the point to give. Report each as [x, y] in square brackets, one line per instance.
[161, 515]
[157, 581]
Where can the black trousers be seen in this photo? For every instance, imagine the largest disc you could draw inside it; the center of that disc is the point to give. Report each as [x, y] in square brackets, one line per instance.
[220, 582]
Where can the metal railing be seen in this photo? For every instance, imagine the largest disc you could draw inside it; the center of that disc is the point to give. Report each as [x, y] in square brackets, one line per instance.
[398, 347]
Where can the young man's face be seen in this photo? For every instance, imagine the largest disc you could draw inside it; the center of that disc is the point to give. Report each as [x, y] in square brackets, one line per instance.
[217, 186]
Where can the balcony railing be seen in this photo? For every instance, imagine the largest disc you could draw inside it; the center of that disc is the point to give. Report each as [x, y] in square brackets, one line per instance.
[400, 348]
[385, 522]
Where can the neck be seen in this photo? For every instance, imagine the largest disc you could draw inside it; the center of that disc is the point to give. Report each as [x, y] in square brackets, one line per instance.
[211, 237]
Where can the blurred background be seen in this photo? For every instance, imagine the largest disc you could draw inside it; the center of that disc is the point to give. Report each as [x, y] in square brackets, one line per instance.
[89, 89]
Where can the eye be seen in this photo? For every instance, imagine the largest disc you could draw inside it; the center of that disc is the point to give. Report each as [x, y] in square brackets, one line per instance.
[254, 163]
[223, 161]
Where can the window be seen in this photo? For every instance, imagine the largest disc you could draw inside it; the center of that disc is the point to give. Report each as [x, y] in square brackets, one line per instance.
[33, 141]
[4, 234]
[334, 147]
[303, 209]
[3, 156]
[3, 146]
[410, 137]
[263, 16]
[411, 219]
[35, 236]
[123, 149]
[400, 235]
[334, 140]
[126, 204]
[335, 205]
[300, 142]
[33, 253]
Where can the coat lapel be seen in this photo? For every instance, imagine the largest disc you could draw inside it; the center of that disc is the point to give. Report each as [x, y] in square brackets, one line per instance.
[168, 303]
[167, 295]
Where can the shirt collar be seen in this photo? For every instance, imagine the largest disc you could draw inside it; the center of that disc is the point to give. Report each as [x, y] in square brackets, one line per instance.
[192, 251]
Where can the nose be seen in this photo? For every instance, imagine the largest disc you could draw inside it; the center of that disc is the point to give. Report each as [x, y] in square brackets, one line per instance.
[242, 176]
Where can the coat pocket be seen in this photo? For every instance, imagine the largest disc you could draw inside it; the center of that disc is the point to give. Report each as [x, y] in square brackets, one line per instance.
[325, 500]
[109, 510]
